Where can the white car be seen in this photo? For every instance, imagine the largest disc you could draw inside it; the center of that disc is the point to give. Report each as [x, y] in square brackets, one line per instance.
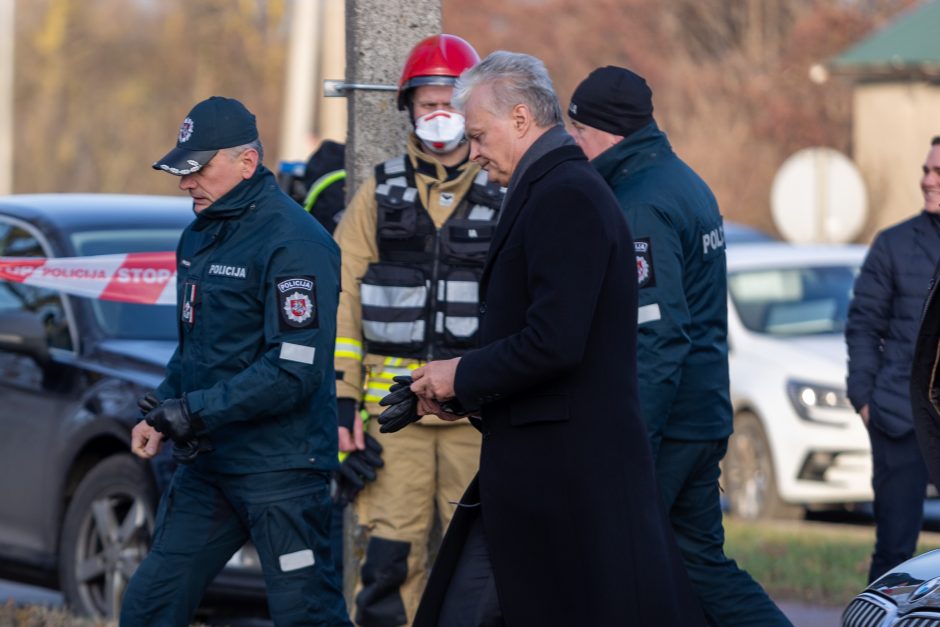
[797, 441]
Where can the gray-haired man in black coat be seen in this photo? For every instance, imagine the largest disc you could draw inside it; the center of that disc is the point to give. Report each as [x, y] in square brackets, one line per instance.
[563, 524]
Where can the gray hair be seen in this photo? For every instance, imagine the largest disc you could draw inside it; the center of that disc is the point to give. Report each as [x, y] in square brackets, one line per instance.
[235, 151]
[515, 78]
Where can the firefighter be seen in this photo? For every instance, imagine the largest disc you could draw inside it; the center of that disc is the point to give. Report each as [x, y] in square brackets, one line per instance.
[413, 240]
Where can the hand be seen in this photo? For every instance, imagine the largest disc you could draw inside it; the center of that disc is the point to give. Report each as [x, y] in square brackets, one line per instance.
[357, 468]
[145, 440]
[351, 434]
[172, 419]
[427, 406]
[863, 412]
[402, 406]
[436, 379]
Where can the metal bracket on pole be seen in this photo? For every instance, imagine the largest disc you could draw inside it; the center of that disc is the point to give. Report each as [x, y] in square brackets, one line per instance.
[341, 89]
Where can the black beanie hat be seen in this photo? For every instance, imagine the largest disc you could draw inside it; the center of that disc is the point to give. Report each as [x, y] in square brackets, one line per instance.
[612, 99]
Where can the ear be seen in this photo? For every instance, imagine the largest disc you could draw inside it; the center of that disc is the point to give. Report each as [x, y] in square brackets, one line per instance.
[248, 163]
[521, 119]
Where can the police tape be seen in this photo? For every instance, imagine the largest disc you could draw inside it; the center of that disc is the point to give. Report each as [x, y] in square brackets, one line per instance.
[143, 278]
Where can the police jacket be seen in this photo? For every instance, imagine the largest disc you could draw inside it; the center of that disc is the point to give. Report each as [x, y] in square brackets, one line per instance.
[925, 381]
[414, 241]
[883, 319]
[257, 290]
[682, 351]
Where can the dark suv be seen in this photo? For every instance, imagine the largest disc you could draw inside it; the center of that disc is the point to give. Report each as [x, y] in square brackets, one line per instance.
[76, 507]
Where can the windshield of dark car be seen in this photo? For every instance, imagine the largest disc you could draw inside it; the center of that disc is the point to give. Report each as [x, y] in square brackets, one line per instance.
[793, 301]
[126, 320]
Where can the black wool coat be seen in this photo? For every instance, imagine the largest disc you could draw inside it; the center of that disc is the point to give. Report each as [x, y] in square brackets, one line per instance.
[571, 511]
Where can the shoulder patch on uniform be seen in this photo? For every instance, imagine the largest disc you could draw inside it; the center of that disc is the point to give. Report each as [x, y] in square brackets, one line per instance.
[645, 275]
[297, 302]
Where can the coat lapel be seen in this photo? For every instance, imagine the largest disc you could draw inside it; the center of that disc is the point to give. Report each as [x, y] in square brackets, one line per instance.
[515, 202]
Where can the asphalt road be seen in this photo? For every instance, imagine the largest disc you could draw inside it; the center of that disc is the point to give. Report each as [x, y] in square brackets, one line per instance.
[801, 615]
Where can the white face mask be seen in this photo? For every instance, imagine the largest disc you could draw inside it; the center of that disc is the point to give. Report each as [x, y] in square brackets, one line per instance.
[440, 131]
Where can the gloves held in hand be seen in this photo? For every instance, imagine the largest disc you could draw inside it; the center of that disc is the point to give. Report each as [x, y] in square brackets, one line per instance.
[356, 469]
[402, 406]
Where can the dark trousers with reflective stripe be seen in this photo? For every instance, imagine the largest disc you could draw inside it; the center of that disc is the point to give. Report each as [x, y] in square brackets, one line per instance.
[688, 479]
[204, 518]
[899, 480]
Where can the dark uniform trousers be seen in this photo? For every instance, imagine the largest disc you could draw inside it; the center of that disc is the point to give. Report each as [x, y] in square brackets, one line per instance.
[204, 518]
[899, 480]
[688, 478]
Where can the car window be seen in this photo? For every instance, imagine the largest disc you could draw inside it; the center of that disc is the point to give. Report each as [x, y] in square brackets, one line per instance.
[128, 320]
[793, 301]
[16, 241]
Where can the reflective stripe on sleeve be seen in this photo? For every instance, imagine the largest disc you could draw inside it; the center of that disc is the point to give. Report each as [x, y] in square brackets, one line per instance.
[348, 347]
[648, 313]
[380, 383]
[297, 352]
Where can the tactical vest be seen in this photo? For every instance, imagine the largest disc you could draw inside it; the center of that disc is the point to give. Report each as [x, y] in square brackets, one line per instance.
[421, 299]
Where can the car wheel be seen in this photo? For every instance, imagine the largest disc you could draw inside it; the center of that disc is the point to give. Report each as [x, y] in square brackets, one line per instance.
[105, 536]
[748, 474]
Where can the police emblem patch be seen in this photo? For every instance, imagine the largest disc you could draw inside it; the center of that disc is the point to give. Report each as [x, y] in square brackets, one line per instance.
[186, 130]
[645, 276]
[297, 301]
[297, 307]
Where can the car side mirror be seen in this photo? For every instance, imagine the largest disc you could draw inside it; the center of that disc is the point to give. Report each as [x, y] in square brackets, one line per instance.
[23, 332]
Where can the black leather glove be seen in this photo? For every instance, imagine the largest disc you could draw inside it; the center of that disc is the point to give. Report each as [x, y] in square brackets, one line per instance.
[402, 406]
[346, 413]
[357, 468]
[172, 419]
[147, 403]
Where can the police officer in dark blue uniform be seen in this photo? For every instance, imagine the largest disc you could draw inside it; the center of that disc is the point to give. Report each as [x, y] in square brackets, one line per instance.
[248, 400]
[682, 348]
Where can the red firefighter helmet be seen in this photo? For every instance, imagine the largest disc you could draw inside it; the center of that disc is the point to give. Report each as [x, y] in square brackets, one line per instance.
[437, 60]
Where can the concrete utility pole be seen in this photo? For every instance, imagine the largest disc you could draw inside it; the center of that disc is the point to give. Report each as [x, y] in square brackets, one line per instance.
[379, 36]
[7, 34]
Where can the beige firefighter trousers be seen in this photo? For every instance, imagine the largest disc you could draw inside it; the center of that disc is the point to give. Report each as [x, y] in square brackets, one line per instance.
[427, 468]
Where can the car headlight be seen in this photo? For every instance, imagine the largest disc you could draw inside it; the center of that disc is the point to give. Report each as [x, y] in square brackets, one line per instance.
[812, 399]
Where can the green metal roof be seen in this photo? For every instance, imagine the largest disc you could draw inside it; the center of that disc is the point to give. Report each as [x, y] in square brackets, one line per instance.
[910, 43]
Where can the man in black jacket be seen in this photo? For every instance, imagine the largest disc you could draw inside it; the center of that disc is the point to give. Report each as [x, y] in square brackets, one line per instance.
[563, 524]
[883, 317]
[248, 399]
